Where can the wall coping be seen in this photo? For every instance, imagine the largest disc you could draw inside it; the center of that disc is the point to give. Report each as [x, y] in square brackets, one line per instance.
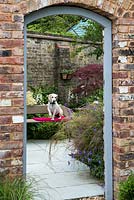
[57, 38]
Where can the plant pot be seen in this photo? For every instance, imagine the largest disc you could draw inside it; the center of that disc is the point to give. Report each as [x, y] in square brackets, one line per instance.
[69, 76]
[64, 76]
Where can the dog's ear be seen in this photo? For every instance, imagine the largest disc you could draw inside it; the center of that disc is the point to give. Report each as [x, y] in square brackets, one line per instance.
[49, 97]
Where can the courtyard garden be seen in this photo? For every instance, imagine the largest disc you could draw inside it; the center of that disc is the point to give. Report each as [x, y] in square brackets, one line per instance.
[85, 127]
[77, 78]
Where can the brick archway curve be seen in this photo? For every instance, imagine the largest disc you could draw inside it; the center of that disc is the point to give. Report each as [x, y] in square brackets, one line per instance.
[106, 24]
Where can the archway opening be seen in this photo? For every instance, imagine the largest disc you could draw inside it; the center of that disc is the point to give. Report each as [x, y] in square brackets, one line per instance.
[107, 80]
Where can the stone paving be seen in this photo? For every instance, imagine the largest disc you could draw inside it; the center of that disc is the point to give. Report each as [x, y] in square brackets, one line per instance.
[59, 177]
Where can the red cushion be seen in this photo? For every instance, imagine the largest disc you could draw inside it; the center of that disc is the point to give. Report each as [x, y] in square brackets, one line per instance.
[48, 119]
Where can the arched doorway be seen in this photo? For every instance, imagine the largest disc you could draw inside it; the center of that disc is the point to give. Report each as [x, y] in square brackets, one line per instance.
[106, 24]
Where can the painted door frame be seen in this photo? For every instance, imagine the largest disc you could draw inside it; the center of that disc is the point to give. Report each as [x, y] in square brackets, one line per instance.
[106, 24]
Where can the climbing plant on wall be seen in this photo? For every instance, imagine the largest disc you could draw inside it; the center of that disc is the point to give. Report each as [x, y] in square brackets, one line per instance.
[72, 25]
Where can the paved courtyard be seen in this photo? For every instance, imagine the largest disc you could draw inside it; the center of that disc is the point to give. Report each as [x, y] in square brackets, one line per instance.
[59, 177]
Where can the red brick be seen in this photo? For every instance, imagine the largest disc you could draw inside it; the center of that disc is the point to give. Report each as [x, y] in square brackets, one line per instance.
[17, 86]
[5, 34]
[8, 8]
[125, 21]
[5, 17]
[17, 152]
[12, 43]
[5, 119]
[117, 75]
[128, 156]
[131, 163]
[123, 29]
[16, 78]
[18, 18]
[11, 94]
[16, 69]
[126, 112]
[127, 14]
[121, 134]
[5, 1]
[5, 87]
[4, 137]
[5, 154]
[11, 110]
[18, 102]
[12, 26]
[11, 60]
[16, 171]
[11, 87]
[120, 11]
[16, 136]
[11, 145]
[11, 128]
[120, 149]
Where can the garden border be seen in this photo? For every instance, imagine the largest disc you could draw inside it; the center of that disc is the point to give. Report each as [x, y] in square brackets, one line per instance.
[106, 23]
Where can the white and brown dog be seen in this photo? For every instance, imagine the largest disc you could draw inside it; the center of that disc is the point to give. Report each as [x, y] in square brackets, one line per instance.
[53, 107]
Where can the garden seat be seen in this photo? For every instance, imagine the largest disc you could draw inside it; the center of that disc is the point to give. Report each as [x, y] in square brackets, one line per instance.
[42, 109]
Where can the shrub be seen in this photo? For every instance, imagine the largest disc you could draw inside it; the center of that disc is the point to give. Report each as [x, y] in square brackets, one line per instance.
[86, 131]
[17, 189]
[41, 130]
[87, 80]
[96, 95]
[90, 78]
[126, 188]
[40, 93]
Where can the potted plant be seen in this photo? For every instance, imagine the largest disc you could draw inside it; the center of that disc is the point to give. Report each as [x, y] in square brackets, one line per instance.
[67, 73]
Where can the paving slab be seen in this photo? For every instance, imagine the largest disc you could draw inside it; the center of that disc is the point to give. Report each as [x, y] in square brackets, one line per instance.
[59, 177]
[80, 191]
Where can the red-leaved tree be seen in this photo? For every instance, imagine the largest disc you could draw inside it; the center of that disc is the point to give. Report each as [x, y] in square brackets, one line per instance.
[88, 79]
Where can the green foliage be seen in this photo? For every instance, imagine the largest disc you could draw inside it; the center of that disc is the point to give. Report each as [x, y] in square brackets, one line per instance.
[94, 33]
[60, 24]
[56, 24]
[126, 188]
[97, 95]
[41, 130]
[86, 131]
[67, 71]
[17, 189]
[40, 93]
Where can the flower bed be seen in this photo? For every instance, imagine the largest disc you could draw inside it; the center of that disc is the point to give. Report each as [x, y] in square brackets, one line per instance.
[86, 131]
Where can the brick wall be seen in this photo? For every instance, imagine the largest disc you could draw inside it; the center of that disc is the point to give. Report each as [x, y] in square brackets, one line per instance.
[44, 60]
[47, 55]
[12, 12]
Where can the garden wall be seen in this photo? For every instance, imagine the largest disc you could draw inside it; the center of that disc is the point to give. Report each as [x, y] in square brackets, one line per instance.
[121, 13]
[47, 55]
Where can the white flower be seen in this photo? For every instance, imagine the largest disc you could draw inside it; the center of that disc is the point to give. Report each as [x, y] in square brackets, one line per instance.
[96, 102]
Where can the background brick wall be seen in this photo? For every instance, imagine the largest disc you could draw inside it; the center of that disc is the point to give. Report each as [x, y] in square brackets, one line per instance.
[11, 80]
[47, 54]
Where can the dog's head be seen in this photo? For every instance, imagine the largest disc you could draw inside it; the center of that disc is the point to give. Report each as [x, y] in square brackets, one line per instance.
[52, 98]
